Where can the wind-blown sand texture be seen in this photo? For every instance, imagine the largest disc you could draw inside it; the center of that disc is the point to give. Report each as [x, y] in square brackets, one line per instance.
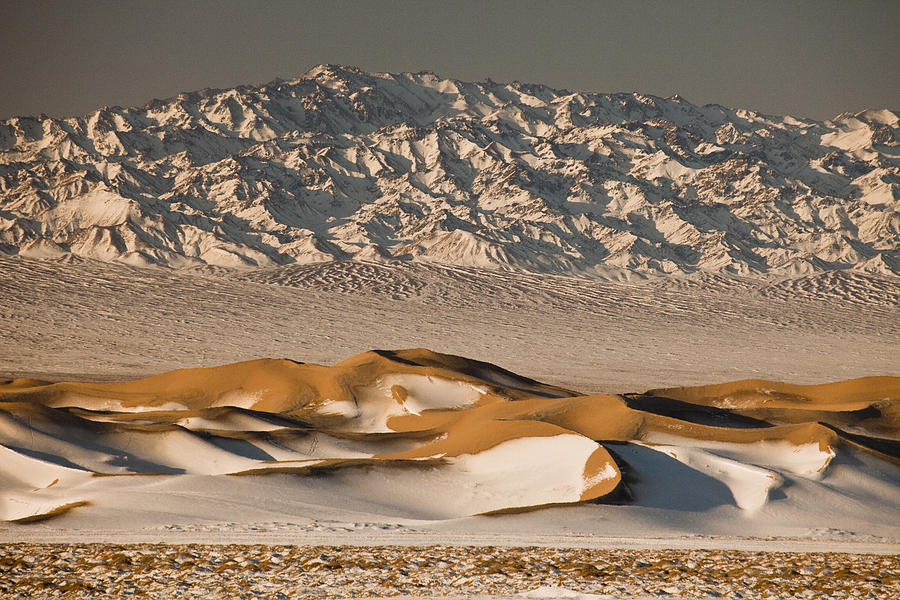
[108, 322]
[422, 435]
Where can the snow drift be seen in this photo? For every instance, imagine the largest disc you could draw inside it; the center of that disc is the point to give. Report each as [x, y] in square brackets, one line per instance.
[432, 436]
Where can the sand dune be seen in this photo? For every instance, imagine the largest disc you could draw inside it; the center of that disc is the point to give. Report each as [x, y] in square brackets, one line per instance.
[433, 436]
[866, 405]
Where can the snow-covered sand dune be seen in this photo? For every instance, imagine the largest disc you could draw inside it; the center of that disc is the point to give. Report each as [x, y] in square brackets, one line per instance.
[413, 435]
[341, 472]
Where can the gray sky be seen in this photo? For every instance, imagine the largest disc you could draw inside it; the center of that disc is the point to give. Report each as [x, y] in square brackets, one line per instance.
[813, 59]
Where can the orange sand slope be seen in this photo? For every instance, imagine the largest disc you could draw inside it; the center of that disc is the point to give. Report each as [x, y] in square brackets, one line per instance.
[485, 439]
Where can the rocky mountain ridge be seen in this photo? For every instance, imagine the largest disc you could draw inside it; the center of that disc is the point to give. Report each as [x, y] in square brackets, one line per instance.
[344, 164]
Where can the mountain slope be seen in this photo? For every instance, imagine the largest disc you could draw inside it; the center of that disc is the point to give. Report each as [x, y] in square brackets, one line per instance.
[340, 163]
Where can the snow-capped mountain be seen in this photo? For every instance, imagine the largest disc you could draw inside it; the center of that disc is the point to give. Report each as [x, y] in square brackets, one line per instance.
[340, 163]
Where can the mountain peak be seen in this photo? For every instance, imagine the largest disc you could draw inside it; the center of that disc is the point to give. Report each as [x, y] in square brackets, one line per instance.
[332, 70]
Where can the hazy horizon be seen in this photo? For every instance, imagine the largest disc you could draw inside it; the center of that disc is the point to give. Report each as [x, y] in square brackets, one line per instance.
[802, 58]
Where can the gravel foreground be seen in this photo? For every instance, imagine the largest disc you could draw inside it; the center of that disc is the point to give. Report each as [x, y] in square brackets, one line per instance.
[284, 571]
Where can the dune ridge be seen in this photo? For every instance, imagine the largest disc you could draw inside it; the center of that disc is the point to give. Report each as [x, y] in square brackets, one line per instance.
[473, 438]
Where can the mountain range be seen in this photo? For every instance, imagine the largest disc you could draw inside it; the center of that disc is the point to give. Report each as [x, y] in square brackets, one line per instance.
[344, 164]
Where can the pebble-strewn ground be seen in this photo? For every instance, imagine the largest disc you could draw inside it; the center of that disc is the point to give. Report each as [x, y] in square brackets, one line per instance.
[267, 571]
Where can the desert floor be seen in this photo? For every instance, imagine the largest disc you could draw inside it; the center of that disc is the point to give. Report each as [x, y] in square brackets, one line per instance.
[276, 571]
